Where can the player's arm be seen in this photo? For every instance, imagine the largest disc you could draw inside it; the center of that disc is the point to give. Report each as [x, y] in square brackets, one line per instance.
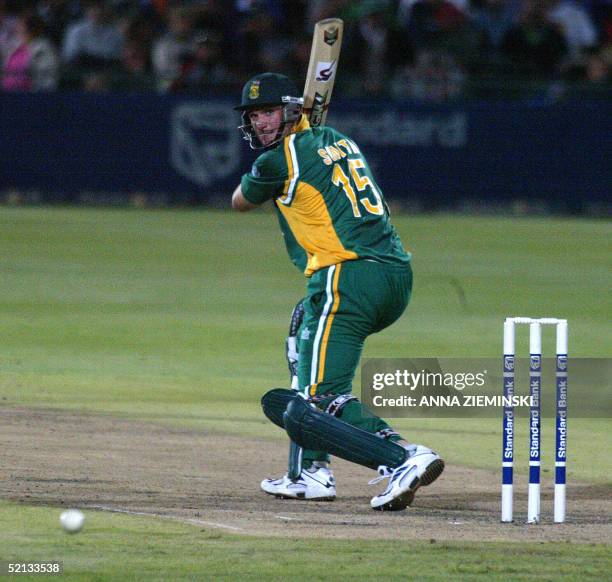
[239, 202]
[264, 182]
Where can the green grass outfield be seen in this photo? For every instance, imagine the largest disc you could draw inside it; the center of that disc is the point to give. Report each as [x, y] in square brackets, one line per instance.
[179, 317]
[141, 548]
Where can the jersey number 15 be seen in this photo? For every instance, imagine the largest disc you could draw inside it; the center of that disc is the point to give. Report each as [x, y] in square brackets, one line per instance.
[361, 183]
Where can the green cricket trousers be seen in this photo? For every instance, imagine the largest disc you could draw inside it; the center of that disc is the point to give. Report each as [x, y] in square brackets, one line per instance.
[346, 303]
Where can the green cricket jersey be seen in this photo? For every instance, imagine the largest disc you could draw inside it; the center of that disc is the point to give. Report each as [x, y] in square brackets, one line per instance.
[330, 208]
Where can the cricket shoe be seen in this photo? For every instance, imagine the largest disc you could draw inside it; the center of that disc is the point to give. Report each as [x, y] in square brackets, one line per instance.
[316, 484]
[422, 467]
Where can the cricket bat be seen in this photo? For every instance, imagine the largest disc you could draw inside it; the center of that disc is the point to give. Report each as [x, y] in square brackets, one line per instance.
[322, 67]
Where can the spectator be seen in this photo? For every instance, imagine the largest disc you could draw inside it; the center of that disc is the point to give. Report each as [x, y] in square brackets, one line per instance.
[404, 9]
[33, 64]
[534, 46]
[94, 40]
[431, 20]
[218, 16]
[440, 25]
[274, 8]
[58, 14]
[372, 40]
[434, 77]
[206, 69]
[601, 15]
[135, 71]
[594, 69]
[423, 47]
[492, 19]
[320, 9]
[8, 32]
[173, 50]
[597, 69]
[576, 25]
[261, 45]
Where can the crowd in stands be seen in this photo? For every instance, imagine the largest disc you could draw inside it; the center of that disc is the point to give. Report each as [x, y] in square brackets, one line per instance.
[423, 49]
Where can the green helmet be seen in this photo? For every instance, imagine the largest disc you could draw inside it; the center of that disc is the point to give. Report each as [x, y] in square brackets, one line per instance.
[269, 89]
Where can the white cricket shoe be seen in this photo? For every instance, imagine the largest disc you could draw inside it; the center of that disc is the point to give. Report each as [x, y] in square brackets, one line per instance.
[316, 483]
[423, 467]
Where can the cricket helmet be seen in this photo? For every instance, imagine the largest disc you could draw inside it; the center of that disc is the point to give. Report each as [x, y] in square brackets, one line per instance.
[265, 90]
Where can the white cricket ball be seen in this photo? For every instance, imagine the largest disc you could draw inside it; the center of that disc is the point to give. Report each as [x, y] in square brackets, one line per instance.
[72, 520]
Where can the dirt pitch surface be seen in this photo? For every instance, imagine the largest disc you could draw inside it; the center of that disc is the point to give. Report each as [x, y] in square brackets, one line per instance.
[94, 461]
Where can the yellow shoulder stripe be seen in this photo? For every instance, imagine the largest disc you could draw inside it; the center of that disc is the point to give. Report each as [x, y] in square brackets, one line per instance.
[290, 170]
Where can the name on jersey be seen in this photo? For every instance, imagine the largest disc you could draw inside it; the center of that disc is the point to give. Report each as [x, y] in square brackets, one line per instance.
[338, 150]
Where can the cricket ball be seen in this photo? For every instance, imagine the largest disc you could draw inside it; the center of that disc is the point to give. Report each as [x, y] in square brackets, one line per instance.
[72, 520]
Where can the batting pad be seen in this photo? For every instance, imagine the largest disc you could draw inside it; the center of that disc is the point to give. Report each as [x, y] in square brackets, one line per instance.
[315, 430]
[275, 402]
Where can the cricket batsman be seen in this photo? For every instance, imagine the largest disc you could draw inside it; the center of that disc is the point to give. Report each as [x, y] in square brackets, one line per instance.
[337, 229]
